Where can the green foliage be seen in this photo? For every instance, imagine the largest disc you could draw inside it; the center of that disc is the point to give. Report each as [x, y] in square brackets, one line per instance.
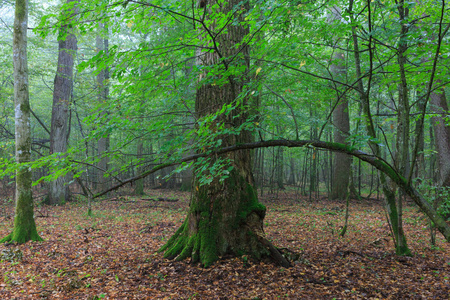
[154, 65]
[437, 196]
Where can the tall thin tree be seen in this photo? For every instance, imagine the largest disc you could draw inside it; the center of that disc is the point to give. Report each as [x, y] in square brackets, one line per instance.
[103, 91]
[24, 224]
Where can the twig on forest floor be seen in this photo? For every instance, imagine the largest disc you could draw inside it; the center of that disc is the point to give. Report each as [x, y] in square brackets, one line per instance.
[42, 213]
[160, 199]
[377, 242]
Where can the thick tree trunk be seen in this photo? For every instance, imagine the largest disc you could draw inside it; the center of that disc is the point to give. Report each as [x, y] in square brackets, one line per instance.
[442, 131]
[342, 162]
[24, 225]
[59, 190]
[224, 217]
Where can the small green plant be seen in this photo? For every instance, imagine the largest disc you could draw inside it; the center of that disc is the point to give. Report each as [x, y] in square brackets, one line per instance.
[244, 260]
[97, 297]
[192, 297]
[8, 278]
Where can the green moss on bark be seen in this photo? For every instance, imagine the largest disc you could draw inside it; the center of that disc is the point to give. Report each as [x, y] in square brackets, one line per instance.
[218, 224]
[24, 224]
[250, 204]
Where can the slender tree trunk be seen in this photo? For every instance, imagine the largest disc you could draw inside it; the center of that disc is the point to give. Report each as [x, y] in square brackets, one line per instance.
[402, 143]
[139, 187]
[59, 134]
[419, 170]
[280, 168]
[292, 179]
[389, 194]
[224, 217]
[103, 91]
[312, 162]
[24, 225]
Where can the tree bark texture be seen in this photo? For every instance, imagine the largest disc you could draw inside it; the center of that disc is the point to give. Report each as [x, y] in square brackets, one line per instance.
[441, 128]
[342, 162]
[224, 217]
[59, 133]
[24, 224]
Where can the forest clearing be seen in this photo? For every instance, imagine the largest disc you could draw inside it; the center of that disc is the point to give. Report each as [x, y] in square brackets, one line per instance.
[224, 149]
[113, 254]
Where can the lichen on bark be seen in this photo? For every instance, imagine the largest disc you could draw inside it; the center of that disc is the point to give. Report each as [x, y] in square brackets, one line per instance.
[24, 224]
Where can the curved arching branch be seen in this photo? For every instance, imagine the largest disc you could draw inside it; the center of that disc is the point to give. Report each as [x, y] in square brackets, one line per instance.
[373, 160]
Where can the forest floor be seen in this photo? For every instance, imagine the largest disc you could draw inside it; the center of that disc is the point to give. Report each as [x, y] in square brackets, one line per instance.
[113, 254]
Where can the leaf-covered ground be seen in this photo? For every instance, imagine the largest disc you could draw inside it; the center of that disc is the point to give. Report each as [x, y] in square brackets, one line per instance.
[112, 255]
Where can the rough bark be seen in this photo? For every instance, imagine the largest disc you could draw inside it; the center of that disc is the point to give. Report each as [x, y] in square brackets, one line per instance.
[24, 225]
[342, 162]
[442, 131]
[59, 133]
[224, 217]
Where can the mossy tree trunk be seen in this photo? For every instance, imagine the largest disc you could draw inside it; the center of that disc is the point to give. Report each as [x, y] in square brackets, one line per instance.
[224, 217]
[24, 225]
[62, 94]
[389, 194]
